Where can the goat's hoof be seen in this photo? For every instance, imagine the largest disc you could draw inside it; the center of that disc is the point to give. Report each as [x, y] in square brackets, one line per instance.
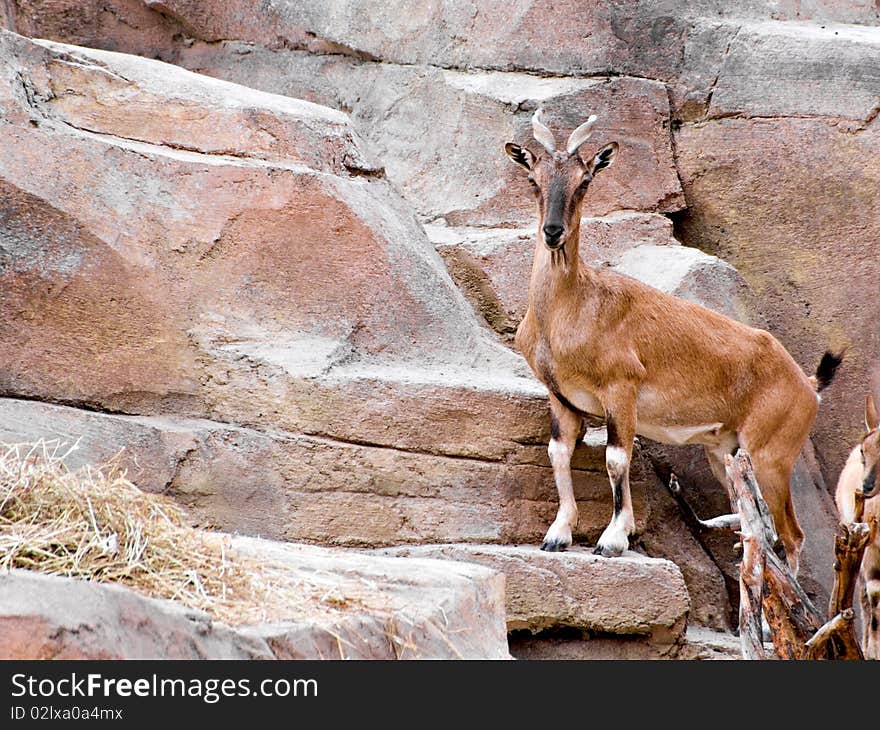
[554, 546]
[607, 552]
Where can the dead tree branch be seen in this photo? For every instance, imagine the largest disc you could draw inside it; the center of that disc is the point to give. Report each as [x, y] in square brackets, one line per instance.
[795, 624]
[836, 639]
[751, 587]
[722, 522]
[849, 547]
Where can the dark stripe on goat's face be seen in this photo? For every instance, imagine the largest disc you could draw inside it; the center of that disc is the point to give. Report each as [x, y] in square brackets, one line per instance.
[557, 197]
[869, 485]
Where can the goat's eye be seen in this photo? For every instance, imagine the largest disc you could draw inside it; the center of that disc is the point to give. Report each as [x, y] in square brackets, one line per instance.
[862, 453]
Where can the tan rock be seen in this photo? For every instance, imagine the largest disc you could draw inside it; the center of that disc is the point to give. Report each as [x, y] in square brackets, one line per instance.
[627, 595]
[303, 488]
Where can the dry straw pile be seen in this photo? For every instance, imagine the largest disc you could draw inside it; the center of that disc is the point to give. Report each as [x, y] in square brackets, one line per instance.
[94, 524]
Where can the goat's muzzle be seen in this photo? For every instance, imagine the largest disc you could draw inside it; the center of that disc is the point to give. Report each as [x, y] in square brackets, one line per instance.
[869, 485]
[553, 236]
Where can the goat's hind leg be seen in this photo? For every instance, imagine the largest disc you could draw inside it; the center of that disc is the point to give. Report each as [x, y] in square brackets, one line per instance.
[565, 427]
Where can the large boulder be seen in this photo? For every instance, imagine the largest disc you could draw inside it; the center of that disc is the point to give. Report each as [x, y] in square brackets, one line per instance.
[165, 272]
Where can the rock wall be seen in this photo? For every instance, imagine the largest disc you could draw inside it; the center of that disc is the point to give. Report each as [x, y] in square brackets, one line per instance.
[251, 279]
[752, 122]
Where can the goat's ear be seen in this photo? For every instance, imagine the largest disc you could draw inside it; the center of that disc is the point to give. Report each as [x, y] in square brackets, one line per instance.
[520, 155]
[872, 419]
[604, 157]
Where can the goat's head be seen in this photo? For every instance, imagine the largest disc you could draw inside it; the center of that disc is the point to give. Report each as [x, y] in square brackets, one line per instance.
[559, 178]
[870, 449]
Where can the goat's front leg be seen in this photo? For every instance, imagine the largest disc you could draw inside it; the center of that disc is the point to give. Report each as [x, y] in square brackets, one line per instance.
[620, 417]
[565, 426]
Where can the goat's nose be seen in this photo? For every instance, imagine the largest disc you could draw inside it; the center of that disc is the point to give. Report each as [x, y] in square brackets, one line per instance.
[552, 232]
[869, 486]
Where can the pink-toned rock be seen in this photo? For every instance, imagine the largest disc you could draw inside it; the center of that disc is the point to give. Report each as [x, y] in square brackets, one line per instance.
[142, 277]
[121, 95]
[772, 196]
[630, 37]
[790, 203]
[452, 35]
[440, 132]
[115, 25]
[294, 487]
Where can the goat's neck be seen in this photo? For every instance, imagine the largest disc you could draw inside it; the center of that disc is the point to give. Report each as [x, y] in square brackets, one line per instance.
[557, 277]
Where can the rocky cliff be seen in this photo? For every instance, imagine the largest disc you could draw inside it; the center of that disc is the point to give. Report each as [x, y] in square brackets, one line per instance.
[285, 283]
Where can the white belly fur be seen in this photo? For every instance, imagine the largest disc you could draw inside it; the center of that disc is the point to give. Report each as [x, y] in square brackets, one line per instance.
[710, 434]
[586, 402]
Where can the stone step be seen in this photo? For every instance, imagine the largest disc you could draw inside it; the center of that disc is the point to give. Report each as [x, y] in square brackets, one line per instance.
[699, 643]
[294, 486]
[424, 609]
[630, 596]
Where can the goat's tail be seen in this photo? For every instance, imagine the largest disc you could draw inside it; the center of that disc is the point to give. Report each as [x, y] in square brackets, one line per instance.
[827, 369]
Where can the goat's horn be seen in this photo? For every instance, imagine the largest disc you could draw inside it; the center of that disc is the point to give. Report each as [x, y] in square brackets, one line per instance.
[542, 132]
[580, 135]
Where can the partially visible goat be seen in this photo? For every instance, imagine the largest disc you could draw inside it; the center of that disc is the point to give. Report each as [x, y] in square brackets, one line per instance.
[860, 474]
